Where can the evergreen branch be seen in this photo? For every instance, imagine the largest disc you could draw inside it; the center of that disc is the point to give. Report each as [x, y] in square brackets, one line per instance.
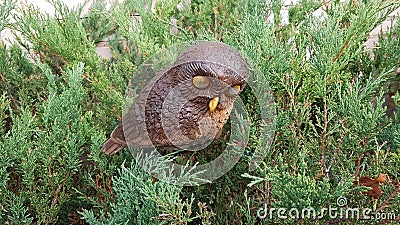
[391, 196]
[50, 49]
[336, 153]
[341, 52]
[58, 191]
[358, 167]
[324, 132]
[175, 26]
[14, 104]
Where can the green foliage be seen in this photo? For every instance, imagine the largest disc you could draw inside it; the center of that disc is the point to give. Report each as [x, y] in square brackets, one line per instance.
[61, 40]
[42, 151]
[212, 17]
[5, 12]
[59, 100]
[387, 51]
[142, 200]
[4, 105]
[95, 23]
[301, 11]
[326, 110]
[297, 190]
[20, 78]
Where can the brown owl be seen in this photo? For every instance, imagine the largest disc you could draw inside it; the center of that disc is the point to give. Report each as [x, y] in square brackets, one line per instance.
[186, 105]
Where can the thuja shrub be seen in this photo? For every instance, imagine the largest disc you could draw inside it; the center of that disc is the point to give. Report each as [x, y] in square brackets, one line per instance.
[41, 152]
[330, 121]
[140, 199]
[331, 129]
[58, 102]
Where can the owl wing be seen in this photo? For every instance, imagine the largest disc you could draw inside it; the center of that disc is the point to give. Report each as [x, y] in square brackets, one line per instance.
[134, 127]
[133, 124]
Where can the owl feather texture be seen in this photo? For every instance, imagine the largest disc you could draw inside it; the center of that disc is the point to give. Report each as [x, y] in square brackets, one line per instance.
[186, 105]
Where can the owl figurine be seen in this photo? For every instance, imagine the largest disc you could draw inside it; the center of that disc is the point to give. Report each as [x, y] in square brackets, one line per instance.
[186, 105]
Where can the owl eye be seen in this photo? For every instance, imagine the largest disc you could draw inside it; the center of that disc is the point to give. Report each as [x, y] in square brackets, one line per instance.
[232, 91]
[201, 82]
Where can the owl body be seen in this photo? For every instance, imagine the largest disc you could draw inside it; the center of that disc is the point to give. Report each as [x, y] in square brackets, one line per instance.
[187, 104]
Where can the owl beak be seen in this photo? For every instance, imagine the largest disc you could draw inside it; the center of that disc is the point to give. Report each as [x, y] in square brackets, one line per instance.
[212, 105]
